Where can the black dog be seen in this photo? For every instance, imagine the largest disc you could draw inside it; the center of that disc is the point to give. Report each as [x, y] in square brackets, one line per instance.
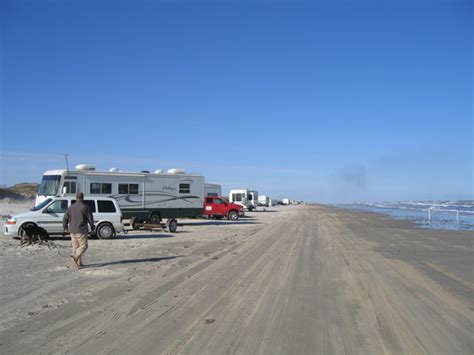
[30, 234]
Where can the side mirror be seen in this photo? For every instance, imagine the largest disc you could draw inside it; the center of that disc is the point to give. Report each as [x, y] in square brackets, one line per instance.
[47, 210]
[64, 190]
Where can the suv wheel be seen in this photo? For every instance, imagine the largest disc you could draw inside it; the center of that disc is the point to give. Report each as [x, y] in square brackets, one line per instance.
[105, 231]
[233, 216]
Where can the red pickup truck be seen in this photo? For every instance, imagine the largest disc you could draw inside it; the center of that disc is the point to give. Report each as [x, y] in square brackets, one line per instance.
[218, 207]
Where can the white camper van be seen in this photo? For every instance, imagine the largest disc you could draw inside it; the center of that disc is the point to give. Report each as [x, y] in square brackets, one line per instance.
[146, 196]
[247, 198]
[214, 190]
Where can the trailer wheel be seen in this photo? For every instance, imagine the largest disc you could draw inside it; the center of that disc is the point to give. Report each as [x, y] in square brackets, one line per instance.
[233, 216]
[134, 222]
[105, 231]
[155, 218]
[172, 225]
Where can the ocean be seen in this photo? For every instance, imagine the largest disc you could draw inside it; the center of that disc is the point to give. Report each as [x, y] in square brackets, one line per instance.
[448, 215]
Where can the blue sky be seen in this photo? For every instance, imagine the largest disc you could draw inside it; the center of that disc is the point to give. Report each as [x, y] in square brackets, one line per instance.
[326, 101]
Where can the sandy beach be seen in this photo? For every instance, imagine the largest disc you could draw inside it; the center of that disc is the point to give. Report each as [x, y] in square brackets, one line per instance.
[304, 279]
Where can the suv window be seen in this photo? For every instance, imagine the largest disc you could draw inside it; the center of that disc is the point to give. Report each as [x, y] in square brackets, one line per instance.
[218, 201]
[89, 203]
[59, 206]
[208, 200]
[106, 206]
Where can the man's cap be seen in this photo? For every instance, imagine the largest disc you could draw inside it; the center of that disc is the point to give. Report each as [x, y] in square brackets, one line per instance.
[80, 196]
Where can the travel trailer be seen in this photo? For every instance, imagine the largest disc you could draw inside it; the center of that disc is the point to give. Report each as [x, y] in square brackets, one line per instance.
[213, 190]
[247, 198]
[149, 197]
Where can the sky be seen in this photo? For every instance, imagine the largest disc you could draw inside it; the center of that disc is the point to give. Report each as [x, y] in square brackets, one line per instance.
[324, 101]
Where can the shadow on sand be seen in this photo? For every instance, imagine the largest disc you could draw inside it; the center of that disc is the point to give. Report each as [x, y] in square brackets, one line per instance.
[265, 211]
[131, 261]
[143, 236]
[216, 223]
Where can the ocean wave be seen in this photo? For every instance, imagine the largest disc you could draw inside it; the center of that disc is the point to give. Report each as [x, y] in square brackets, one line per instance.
[452, 215]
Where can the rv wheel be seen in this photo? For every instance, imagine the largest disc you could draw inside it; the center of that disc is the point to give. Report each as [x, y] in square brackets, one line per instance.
[105, 231]
[155, 218]
[172, 225]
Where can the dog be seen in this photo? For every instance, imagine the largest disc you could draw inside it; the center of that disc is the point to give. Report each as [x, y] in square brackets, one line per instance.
[30, 234]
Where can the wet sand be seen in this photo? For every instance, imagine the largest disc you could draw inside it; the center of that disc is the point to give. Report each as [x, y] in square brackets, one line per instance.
[293, 280]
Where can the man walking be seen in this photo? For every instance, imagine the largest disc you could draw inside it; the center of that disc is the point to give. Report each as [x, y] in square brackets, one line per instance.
[77, 217]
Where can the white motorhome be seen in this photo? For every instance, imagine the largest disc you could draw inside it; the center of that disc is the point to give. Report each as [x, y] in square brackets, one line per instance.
[286, 201]
[143, 195]
[264, 201]
[247, 198]
[214, 190]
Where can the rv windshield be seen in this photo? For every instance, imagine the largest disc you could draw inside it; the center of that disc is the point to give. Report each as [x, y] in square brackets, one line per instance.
[49, 185]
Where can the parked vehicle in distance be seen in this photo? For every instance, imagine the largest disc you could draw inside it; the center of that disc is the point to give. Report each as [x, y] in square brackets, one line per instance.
[264, 201]
[48, 216]
[247, 198]
[212, 190]
[286, 201]
[144, 196]
[219, 207]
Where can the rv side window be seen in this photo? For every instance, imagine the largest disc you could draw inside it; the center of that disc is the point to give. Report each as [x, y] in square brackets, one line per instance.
[128, 189]
[184, 188]
[133, 189]
[106, 206]
[237, 197]
[70, 187]
[123, 189]
[100, 188]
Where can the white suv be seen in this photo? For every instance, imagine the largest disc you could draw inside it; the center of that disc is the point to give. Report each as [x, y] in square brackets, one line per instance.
[48, 216]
